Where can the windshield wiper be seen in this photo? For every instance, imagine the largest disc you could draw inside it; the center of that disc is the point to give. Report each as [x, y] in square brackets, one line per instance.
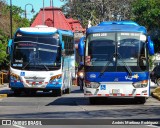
[46, 67]
[35, 60]
[30, 62]
[26, 65]
[105, 67]
[126, 66]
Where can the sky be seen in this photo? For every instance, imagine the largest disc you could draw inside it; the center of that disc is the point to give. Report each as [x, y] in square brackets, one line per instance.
[37, 4]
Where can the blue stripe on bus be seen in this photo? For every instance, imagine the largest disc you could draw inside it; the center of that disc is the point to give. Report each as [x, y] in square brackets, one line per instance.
[116, 77]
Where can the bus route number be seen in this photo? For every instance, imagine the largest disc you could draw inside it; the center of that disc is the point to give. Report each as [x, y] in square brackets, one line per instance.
[99, 34]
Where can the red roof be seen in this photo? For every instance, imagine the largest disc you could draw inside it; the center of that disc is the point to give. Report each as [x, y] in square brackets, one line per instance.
[75, 25]
[54, 17]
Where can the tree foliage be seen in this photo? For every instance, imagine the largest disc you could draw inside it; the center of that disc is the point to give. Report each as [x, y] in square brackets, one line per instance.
[17, 21]
[147, 13]
[144, 12]
[98, 10]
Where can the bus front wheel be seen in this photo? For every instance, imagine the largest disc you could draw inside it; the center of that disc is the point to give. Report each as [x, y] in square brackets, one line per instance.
[68, 90]
[57, 92]
[141, 100]
[93, 100]
[17, 92]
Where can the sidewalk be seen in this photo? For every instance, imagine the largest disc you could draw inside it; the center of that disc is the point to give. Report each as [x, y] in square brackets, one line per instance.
[4, 90]
[3, 85]
[156, 93]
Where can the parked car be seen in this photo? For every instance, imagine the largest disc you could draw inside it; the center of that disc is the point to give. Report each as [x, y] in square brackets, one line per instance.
[155, 75]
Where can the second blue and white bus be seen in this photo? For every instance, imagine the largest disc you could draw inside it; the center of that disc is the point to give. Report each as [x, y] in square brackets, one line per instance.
[53, 61]
[116, 61]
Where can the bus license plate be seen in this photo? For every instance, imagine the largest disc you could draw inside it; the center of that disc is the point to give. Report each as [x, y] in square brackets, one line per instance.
[115, 91]
[34, 84]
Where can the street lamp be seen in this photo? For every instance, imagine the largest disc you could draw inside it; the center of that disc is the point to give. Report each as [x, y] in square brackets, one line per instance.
[10, 18]
[31, 10]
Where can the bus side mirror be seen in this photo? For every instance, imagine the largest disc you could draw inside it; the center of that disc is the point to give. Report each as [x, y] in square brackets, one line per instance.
[81, 46]
[8, 50]
[150, 46]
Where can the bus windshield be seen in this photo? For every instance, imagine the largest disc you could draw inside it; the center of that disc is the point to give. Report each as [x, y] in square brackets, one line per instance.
[117, 51]
[36, 53]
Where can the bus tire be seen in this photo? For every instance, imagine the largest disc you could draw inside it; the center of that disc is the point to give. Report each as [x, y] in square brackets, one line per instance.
[57, 92]
[27, 92]
[141, 100]
[54, 93]
[17, 92]
[68, 91]
[92, 100]
[33, 92]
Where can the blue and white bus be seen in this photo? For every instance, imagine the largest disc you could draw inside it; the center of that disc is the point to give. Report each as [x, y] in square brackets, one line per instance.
[116, 61]
[41, 58]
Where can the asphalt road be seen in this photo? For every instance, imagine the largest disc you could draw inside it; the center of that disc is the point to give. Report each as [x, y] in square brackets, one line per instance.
[75, 106]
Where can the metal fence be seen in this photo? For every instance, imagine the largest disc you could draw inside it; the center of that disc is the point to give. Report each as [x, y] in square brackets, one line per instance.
[3, 75]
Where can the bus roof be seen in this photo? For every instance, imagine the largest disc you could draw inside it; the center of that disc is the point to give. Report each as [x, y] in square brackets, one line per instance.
[118, 22]
[43, 29]
[65, 32]
[117, 26]
[40, 29]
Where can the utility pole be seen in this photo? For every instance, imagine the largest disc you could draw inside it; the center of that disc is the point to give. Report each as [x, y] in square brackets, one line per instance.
[43, 16]
[102, 10]
[11, 19]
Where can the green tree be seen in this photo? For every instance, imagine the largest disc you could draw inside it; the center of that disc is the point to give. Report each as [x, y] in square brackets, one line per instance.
[18, 21]
[147, 13]
[97, 10]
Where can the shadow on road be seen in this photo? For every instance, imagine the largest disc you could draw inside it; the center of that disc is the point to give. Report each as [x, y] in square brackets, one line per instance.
[37, 94]
[85, 101]
[75, 98]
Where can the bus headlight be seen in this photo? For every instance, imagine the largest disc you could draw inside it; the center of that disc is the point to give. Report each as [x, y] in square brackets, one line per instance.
[81, 74]
[14, 76]
[92, 84]
[141, 84]
[55, 78]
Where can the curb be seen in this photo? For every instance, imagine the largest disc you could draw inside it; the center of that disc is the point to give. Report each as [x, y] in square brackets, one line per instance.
[156, 93]
[3, 85]
[3, 95]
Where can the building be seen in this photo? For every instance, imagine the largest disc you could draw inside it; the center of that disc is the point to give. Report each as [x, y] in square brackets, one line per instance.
[54, 17]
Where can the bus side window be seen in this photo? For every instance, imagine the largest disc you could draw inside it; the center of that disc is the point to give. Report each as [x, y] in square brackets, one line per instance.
[68, 45]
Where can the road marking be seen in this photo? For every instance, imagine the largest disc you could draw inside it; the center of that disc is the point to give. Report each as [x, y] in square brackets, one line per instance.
[153, 126]
[18, 126]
